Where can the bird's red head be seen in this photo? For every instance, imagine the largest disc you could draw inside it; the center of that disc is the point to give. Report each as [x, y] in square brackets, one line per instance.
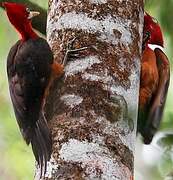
[20, 17]
[152, 31]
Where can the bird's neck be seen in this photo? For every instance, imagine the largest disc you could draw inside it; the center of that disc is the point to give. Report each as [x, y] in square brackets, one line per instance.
[26, 31]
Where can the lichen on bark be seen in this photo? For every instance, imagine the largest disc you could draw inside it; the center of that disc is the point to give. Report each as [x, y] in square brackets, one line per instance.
[92, 110]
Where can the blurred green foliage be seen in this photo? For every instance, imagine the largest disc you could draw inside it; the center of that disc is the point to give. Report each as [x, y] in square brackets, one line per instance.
[17, 162]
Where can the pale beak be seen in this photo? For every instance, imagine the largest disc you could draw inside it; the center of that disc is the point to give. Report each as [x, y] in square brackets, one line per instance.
[33, 14]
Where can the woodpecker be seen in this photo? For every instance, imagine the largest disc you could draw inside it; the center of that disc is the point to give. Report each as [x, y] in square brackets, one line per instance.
[30, 67]
[154, 82]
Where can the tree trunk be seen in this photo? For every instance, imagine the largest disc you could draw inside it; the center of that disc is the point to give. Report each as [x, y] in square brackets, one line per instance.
[92, 110]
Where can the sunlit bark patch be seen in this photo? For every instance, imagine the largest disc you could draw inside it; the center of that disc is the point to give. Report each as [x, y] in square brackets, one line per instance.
[98, 1]
[94, 158]
[80, 65]
[107, 28]
[71, 100]
[51, 168]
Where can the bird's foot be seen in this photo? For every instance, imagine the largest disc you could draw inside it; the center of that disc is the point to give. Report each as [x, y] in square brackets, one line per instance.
[72, 53]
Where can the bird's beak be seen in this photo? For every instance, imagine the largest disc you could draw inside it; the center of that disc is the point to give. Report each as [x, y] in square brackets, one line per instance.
[33, 14]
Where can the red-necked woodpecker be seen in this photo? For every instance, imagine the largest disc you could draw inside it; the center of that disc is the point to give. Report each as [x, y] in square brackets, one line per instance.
[30, 69]
[155, 76]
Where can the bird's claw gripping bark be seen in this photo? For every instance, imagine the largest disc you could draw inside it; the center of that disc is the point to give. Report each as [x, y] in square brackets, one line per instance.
[71, 52]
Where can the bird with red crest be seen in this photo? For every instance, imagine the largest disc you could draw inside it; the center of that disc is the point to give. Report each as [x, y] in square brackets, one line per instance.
[30, 67]
[154, 82]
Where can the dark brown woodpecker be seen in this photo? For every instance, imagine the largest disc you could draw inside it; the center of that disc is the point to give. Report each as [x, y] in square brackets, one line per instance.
[30, 67]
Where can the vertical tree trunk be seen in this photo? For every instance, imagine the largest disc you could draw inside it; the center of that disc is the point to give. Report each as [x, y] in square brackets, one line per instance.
[92, 112]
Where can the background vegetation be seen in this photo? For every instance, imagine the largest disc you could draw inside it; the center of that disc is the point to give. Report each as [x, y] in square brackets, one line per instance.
[152, 162]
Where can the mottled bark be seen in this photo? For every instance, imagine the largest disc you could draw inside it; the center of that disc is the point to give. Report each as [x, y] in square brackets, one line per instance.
[92, 112]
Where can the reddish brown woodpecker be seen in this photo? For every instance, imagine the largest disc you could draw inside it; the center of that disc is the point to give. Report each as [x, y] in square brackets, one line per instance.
[30, 67]
[155, 76]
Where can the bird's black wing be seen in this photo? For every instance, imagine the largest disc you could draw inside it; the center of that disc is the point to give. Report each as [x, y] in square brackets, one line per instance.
[15, 88]
[29, 68]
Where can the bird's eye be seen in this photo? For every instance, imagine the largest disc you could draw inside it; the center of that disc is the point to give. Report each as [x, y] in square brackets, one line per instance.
[147, 34]
[28, 10]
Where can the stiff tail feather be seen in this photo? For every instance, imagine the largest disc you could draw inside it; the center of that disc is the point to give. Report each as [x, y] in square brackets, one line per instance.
[41, 144]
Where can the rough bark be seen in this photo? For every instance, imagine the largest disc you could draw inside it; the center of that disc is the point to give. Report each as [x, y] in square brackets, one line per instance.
[92, 112]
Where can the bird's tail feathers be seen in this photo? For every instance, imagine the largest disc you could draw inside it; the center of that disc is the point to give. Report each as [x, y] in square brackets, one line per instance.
[41, 143]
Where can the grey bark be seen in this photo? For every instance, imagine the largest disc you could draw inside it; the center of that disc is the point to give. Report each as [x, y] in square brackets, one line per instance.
[92, 110]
